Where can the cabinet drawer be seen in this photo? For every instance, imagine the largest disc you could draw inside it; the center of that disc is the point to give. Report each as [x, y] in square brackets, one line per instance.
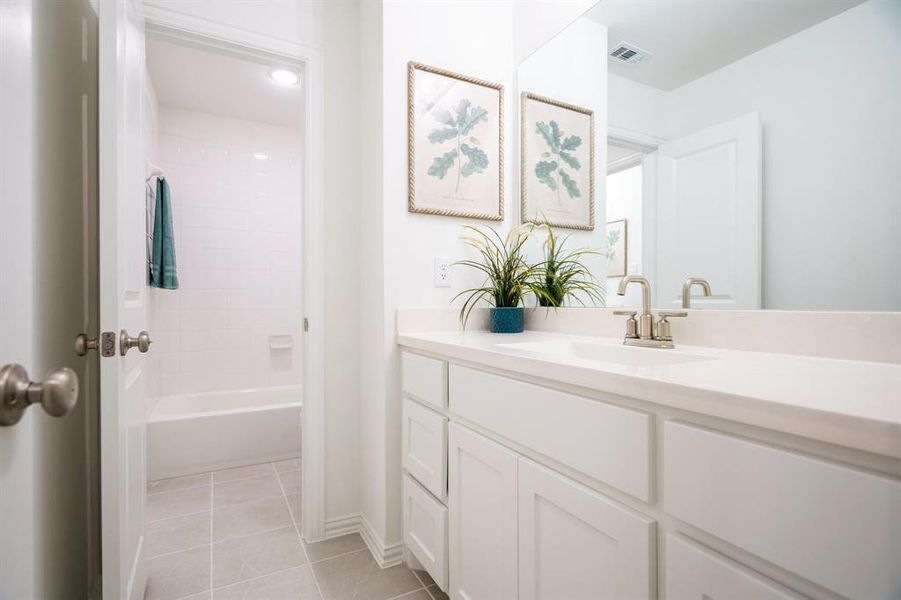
[425, 530]
[830, 524]
[608, 443]
[424, 447]
[424, 378]
[695, 573]
[576, 543]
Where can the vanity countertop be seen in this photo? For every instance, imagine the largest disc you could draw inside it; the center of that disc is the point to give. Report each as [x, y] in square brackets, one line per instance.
[850, 403]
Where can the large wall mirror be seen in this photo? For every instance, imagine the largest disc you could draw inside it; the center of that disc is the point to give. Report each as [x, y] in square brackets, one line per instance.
[751, 144]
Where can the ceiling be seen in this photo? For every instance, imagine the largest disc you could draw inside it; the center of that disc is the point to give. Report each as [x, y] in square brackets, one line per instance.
[690, 38]
[215, 82]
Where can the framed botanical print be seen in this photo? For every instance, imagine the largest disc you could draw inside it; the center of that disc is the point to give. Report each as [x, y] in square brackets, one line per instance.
[455, 144]
[617, 247]
[557, 163]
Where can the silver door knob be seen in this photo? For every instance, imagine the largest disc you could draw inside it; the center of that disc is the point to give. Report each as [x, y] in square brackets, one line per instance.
[58, 393]
[142, 342]
[83, 343]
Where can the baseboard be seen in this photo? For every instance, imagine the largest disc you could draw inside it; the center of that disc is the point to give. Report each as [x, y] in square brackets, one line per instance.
[385, 555]
[342, 526]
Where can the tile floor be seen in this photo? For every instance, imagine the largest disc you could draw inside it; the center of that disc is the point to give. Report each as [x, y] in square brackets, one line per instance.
[233, 534]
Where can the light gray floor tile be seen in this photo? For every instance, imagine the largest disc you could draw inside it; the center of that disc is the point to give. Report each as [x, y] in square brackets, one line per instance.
[177, 533]
[334, 547]
[247, 557]
[290, 481]
[175, 504]
[424, 577]
[417, 595]
[241, 490]
[287, 465]
[250, 517]
[178, 575]
[178, 483]
[200, 596]
[356, 576]
[294, 504]
[293, 584]
[242, 472]
[436, 593]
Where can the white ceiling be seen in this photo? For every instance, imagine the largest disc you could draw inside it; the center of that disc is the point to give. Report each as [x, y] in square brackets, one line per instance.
[690, 38]
[222, 84]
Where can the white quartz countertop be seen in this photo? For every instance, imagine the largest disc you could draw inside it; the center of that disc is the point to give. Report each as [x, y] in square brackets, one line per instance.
[850, 403]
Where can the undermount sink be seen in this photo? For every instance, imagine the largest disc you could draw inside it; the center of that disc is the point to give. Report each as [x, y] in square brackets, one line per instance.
[600, 352]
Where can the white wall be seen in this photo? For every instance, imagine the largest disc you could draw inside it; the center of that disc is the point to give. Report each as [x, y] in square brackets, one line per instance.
[333, 27]
[829, 101]
[635, 108]
[535, 22]
[238, 247]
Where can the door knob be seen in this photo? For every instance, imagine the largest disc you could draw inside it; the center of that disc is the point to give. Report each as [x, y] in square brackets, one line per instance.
[58, 393]
[142, 342]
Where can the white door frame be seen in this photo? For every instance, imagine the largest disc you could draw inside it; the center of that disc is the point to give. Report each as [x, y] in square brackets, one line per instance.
[162, 20]
[647, 145]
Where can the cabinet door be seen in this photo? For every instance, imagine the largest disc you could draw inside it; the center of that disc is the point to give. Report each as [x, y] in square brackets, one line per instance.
[482, 512]
[694, 573]
[577, 544]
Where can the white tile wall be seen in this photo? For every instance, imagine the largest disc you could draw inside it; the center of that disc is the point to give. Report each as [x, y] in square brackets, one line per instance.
[238, 244]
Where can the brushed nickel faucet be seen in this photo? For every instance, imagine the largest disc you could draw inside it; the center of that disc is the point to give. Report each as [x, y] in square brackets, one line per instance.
[686, 289]
[644, 331]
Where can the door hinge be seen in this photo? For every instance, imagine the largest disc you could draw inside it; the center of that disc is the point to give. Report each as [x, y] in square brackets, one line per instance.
[306, 324]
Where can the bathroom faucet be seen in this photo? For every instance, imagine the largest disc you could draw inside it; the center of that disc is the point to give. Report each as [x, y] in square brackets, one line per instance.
[686, 289]
[645, 332]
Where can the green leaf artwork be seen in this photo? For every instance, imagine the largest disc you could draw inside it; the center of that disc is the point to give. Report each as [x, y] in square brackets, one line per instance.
[442, 164]
[458, 123]
[550, 172]
[612, 238]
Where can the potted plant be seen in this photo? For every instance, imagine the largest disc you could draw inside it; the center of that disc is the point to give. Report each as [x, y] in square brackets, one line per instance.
[509, 278]
[562, 275]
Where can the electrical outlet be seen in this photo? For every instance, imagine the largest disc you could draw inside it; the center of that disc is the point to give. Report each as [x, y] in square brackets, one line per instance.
[442, 272]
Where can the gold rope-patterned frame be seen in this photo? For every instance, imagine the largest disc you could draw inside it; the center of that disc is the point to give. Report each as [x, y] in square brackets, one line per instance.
[412, 67]
[523, 164]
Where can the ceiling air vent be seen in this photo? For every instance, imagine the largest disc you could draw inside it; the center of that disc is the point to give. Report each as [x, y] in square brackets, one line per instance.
[627, 53]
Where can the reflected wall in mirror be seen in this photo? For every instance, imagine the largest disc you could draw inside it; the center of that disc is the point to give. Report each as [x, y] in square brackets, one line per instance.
[749, 144]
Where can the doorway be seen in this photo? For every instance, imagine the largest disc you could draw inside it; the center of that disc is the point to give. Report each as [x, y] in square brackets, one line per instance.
[224, 143]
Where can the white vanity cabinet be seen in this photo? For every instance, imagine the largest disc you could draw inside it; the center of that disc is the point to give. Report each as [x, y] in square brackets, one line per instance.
[515, 490]
[482, 512]
[575, 543]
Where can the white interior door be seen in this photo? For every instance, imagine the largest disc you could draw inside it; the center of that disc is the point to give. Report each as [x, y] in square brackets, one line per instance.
[708, 215]
[48, 165]
[123, 295]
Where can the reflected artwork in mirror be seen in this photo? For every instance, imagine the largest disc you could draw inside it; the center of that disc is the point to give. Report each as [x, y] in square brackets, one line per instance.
[748, 144]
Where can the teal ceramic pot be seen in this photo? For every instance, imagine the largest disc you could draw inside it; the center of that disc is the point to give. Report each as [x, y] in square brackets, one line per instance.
[506, 320]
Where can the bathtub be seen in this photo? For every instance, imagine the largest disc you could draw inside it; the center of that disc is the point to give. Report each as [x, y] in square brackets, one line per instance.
[194, 433]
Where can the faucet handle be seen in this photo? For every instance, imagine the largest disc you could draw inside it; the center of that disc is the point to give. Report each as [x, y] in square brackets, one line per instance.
[631, 324]
[672, 313]
[664, 334]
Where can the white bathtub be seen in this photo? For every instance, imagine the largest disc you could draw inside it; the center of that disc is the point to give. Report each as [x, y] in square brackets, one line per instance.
[194, 433]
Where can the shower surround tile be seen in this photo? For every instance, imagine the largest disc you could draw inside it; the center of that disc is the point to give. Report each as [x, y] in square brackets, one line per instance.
[238, 242]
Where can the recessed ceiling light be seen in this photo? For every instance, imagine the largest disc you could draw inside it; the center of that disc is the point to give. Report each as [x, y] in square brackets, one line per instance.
[261, 156]
[284, 77]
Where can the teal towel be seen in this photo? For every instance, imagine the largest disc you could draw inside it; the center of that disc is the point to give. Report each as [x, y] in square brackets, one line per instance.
[162, 267]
